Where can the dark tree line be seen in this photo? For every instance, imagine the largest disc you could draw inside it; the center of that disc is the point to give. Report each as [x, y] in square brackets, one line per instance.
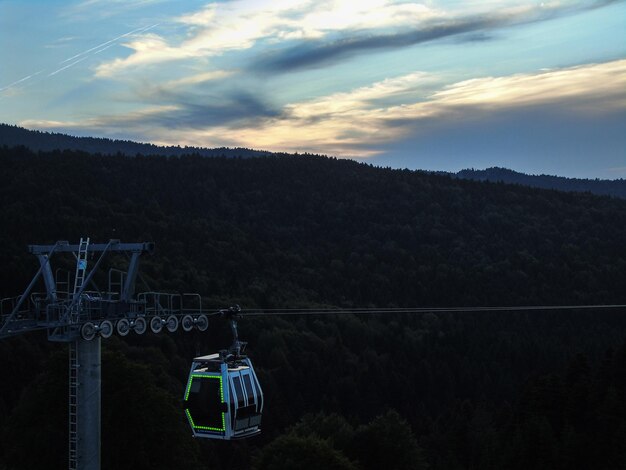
[13, 136]
[616, 188]
[440, 391]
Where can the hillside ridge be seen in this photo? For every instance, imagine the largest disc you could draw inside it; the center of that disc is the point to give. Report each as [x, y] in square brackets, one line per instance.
[615, 188]
[13, 136]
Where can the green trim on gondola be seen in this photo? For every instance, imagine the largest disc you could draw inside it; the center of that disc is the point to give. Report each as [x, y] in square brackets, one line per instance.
[193, 425]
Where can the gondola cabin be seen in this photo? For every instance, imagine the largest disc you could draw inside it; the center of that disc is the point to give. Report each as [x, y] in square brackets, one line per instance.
[223, 399]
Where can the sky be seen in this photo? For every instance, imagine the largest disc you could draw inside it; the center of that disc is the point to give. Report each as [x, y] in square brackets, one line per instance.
[538, 87]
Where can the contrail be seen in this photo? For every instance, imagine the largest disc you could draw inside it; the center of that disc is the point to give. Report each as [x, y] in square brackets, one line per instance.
[67, 66]
[138, 30]
[20, 80]
[103, 49]
[99, 48]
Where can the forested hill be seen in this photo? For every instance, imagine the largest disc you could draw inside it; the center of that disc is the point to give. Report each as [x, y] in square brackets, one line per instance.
[616, 188]
[12, 136]
[316, 229]
[490, 391]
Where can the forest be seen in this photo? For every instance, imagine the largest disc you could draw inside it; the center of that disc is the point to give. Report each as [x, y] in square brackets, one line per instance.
[13, 136]
[616, 188]
[491, 390]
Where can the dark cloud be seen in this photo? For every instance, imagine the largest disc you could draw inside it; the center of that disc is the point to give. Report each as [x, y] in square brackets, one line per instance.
[476, 37]
[312, 54]
[198, 111]
[317, 53]
[236, 107]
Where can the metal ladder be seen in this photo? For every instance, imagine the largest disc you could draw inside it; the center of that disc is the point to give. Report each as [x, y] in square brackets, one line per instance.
[79, 279]
[73, 404]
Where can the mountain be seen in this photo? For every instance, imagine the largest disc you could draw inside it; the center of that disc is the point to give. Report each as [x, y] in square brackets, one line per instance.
[615, 188]
[12, 136]
[333, 231]
[494, 390]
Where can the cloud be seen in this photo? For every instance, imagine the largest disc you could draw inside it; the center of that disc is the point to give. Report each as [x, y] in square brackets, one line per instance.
[362, 121]
[149, 49]
[85, 10]
[61, 42]
[319, 53]
[110, 126]
[199, 78]
[547, 86]
[325, 31]
[192, 111]
[217, 28]
[359, 122]
[465, 28]
[240, 24]
[231, 26]
[180, 111]
[105, 45]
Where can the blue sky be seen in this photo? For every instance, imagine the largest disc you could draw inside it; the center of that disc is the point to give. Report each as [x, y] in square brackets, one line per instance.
[538, 87]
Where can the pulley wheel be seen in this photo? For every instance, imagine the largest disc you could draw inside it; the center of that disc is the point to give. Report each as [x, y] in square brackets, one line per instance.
[155, 324]
[202, 322]
[187, 323]
[123, 327]
[140, 325]
[171, 323]
[88, 331]
[106, 329]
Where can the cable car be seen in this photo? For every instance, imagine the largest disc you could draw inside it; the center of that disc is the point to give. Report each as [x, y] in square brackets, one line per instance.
[223, 397]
